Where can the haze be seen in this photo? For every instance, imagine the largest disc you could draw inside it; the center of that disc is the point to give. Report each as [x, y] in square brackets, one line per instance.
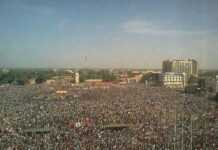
[107, 33]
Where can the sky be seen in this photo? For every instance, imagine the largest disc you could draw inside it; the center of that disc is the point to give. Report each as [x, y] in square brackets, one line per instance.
[107, 33]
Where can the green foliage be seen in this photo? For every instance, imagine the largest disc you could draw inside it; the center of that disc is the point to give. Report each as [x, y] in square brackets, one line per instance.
[22, 76]
[41, 78]
[7, 78]
[107, 76]
[193, 80]
[147, 76]
[130, 74]
[21, 82]
[216, 97]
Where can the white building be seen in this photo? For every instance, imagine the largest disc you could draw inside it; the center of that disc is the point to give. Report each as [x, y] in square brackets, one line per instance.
[190, 66]
[173, 80]
[77, 78]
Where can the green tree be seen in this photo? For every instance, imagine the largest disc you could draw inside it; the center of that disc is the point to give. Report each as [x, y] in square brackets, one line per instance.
[40, 79]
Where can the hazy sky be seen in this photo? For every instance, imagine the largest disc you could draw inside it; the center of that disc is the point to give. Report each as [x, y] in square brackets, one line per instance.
[107, 33]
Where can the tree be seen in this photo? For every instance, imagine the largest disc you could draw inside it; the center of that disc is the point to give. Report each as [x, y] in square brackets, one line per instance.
[106, 75]
[21, 81]
[7, 78]
[147, 77]
[40, 79]
[216, 97]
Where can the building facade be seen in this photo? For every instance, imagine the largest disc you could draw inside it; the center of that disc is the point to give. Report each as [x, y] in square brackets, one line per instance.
[173, 80]
[190, 67]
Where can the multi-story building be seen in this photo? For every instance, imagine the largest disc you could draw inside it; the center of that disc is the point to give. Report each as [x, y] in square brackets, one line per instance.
[173, 80]
[190, 67]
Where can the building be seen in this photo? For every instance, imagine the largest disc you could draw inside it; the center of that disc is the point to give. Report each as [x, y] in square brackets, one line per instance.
[151, 79]
[190, 67]
[135, 79]
[173, 80]
[32, 81]
[77, 78]
[93, 81]
[68, 78]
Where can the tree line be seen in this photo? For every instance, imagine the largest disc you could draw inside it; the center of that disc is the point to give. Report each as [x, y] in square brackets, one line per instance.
[23, 76]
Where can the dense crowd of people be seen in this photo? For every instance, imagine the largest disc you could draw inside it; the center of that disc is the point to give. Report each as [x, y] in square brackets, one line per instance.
[118, 117]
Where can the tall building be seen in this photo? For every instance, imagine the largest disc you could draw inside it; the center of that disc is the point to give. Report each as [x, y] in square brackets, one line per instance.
[190, 67]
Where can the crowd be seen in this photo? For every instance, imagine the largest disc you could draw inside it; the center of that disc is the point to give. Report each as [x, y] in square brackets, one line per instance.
[125, 117]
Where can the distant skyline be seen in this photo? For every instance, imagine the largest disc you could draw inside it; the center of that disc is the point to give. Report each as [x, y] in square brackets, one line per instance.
[107, 33]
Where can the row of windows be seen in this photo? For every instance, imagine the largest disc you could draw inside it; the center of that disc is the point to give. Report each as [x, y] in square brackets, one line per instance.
[173, 78]
[175, 86]
[173, 82]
